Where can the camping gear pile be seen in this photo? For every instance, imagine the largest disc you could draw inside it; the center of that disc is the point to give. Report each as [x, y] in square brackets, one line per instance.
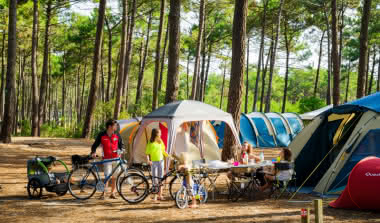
[40, 176]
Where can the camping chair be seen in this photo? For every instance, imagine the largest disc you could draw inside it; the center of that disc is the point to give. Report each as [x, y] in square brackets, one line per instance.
[284, 185]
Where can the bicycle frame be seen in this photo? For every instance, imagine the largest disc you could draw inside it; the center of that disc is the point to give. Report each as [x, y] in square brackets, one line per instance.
[94, 165]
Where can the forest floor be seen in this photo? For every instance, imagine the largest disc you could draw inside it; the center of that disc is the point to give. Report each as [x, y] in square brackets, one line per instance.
[16, 207]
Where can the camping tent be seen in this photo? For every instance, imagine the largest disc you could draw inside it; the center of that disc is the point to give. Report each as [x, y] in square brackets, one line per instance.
[266, 134]
[265, 130]
[173, 115]
[283, 132]
[329, 147]
[362, 187]
[311, 115]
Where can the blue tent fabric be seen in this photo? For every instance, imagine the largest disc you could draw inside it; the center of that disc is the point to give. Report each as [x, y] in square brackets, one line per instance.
[264, 137]
[282, 137]
[219, 129]
[371, 102]
[295, 125]
[247, 132]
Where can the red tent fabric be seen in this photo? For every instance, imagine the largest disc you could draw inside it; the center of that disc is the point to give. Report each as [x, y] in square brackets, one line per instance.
[164, 135]
[362, 190]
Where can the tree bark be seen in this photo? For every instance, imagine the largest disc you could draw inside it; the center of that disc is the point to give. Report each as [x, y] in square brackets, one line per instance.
[2, 76]
[187, 74]
[348, 81]
[44, 75]
[247, 80]
[287, 43]
[319, 64]
[145, 53]
[123, 49]
[366, 74]
[82, 96]
[264, 75]
[35, 101]
[204, 87]
[335, 55]
[63, 90]
[198, 50]
[261, 56]
[157, 58]
[163, 57]
[273, 59]
[237, 74]
[328, 95]
[7, 122]
[123, 34]
[222, 92]
[378, 77]
[201, 73]
[128, 57]
[372, 72]
[363, 48]
[95, 70]
[173, 63]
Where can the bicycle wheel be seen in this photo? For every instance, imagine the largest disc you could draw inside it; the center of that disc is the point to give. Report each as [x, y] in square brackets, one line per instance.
[123, 174]
[181, 198]
[234, 192]
[82, 183]
[202, 194]
[34, 188]
[134, 188]
[174, 186]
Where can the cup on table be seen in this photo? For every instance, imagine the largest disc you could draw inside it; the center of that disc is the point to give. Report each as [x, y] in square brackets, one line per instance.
[236, 163]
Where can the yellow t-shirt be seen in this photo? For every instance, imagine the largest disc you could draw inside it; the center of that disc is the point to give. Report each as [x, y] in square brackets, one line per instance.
[156, 151]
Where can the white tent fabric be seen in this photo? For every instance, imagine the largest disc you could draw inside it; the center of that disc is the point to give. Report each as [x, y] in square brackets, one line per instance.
[311, 115]
[176, 113]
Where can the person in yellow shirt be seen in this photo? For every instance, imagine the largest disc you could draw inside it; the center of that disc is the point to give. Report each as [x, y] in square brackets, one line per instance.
[155, 151]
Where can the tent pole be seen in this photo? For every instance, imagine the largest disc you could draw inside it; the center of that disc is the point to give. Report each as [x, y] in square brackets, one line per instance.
[294, 194]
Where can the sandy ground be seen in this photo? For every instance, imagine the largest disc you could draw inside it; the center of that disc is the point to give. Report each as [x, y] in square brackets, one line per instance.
[16, 207]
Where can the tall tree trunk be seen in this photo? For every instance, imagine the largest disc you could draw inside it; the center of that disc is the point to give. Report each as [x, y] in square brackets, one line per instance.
[95, 70]
[63, 90]
[204, 87]
[34, 70]
[222, 91]
[264, 76]
[237, 73]
[287, 43]
[378, 76]
[173, 63]
[121, 72]
[187, 74]
[319, 64]
[328, 95]
[82, 96]
[335, 54]
[2, 76]
[261, 56]
[128, 54]
[44, 75]
[145, 52]
[201, 73]
[7, 122]
[348, 81]
[363, 48]
[123, 34]
[341, 26]
[273, 59]
[366, 74]
[372, 72]
[247, 80]
[157, 58]
[198, 50]
[163, 57]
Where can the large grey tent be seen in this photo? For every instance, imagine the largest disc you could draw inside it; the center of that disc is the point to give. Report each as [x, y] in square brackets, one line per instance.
[329, 147]
[173, 115]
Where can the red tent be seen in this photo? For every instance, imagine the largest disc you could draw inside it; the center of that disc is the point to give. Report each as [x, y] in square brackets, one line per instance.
[362, 190]
[164, 134]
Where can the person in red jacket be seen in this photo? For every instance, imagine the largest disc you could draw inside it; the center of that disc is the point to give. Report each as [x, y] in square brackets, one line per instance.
[111, 142]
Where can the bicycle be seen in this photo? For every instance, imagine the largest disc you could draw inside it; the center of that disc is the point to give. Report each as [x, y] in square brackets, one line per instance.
[85, 180]
[135, 188]
[244, 185]
[185, 194]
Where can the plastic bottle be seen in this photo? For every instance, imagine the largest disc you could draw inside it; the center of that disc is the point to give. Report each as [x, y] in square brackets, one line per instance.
[245, 158]
[262, 156]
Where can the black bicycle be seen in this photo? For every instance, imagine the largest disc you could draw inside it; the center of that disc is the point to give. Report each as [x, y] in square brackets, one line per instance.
[243, 185]
[135, 187]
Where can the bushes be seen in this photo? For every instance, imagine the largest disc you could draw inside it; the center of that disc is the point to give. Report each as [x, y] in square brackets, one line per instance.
[310, 104]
